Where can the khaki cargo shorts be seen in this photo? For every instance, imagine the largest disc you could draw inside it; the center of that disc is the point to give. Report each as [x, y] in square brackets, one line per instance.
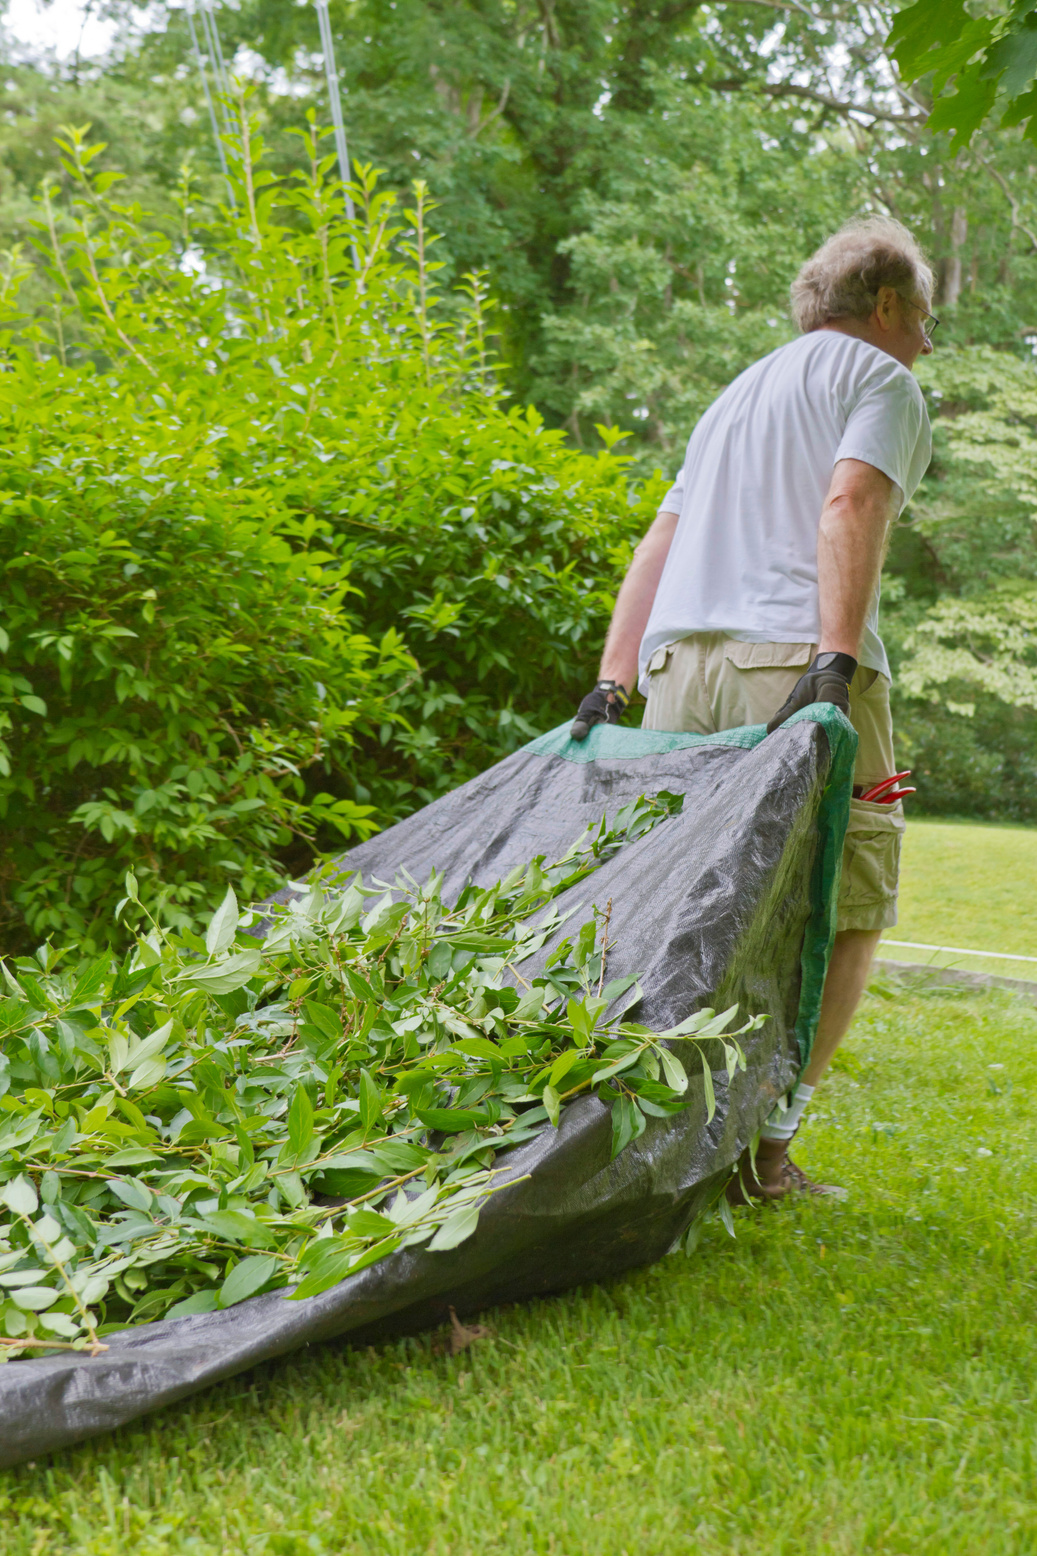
[708, 682]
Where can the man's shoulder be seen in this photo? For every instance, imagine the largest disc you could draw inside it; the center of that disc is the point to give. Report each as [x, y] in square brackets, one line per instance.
[869, 364]
[828, 352]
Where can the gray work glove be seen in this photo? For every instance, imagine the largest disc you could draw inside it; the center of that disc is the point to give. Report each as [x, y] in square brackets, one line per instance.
[606, 704]
[827, 680]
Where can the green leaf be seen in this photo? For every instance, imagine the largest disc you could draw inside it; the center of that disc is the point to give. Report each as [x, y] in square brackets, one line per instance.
[246, 1278]
[617, 986]
[133, 1156]
[20, 1196]
[60, 1323]
[676, 1075]
[223, 924]
[935, 36]
[360, 987]
[368, 1223]
[236, 1227]
[965, 111]
[132, 1192]
[456, 1228]
[300, 1121]
[136, 1055]
[622, 1125]
[439, 962]
[326, 1263]
[91, 1288]
[477, 1047]
[15, 1278]
[552, 1104]
[707, 1088]
[450, 1120]
[1024, 107]
[395, 1156]
[624, 1062]
[323, 1018]
[583, 1016]
[370, 1099]
[1013, 57]
[224, 977]
[567, 1061]
[33, 1299]
[198, 1302]
[530, 1005]
[291, 1186]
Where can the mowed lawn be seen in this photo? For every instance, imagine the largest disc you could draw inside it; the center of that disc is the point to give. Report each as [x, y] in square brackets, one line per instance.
[850, 1378]
[971, 886]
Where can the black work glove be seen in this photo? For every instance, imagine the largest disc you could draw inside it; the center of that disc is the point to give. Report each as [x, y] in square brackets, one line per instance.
[606, 704]
[827, 680]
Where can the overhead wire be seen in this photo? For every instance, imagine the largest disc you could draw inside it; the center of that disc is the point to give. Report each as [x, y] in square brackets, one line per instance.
[217, 65]
[217, 137]
[219, 69]
[335, 100]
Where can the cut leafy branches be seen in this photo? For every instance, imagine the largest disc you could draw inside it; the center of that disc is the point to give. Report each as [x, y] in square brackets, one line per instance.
[213, 1118]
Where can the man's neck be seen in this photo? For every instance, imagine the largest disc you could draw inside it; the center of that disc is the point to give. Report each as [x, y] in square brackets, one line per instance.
[860, 329]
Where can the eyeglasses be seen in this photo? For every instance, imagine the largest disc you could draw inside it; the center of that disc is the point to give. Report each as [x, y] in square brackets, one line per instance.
[931, 321]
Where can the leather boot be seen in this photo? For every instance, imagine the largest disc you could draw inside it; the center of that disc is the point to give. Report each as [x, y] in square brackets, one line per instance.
[775, 1176]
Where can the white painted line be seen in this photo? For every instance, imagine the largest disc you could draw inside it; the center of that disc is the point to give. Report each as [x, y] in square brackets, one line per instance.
[959, 950]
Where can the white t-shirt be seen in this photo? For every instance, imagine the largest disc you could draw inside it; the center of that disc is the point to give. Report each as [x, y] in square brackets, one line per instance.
[743, 560]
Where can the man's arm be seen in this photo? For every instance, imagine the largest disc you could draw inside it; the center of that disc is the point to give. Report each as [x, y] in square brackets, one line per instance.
[851, 542]
[618, 675]
[850, 546]
[634, 602]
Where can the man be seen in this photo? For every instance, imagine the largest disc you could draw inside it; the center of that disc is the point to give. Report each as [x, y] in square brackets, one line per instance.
[755, 591]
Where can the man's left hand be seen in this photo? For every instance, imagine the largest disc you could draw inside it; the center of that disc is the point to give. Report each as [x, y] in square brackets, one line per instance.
[606, 704]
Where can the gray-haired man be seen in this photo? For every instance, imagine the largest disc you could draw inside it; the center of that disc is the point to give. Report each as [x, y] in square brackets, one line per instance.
[755, 591]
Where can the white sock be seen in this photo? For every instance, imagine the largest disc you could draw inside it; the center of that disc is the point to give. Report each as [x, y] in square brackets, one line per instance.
[783, 1123]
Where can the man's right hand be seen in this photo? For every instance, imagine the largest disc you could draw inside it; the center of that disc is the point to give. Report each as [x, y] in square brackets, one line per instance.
[827, 680]
[606, 704]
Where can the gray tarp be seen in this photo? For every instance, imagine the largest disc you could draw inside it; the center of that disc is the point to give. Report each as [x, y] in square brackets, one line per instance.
[730, 901]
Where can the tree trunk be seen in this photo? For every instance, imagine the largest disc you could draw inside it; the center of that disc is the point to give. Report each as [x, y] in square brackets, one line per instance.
[952, 276]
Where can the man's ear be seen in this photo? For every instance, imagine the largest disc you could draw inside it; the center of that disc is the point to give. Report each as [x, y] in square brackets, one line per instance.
[887, 307]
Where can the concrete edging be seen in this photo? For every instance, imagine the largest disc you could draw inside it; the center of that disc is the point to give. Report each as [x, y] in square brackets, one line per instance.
[920, 972]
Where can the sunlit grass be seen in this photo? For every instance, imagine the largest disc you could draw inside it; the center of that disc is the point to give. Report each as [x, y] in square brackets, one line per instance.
[842, 1378]
[966, 884]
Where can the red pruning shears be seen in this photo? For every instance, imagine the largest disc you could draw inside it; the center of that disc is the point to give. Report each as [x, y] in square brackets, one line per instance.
[886, 792]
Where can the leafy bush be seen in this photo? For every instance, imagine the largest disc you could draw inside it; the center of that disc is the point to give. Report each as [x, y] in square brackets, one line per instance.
[179, 1114]
[963, 628]
[272, 470]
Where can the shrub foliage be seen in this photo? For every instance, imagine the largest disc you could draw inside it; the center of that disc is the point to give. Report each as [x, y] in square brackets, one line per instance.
[280, 562]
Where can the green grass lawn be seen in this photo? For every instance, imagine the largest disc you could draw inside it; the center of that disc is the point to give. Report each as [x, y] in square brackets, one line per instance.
[842, 1378]
[968, 885]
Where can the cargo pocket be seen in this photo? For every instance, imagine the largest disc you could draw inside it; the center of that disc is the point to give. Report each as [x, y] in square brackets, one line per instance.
[755, 678]
[871, 866]
[660, 659]
[768, 656]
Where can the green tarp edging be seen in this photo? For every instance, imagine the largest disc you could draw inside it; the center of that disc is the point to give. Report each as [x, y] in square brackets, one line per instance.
[613, 742]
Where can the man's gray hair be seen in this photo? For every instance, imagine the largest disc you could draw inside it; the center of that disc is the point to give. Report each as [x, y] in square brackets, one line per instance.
[842, 280]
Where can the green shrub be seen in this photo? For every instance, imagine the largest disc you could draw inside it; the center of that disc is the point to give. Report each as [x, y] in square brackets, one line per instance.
[279, 562]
